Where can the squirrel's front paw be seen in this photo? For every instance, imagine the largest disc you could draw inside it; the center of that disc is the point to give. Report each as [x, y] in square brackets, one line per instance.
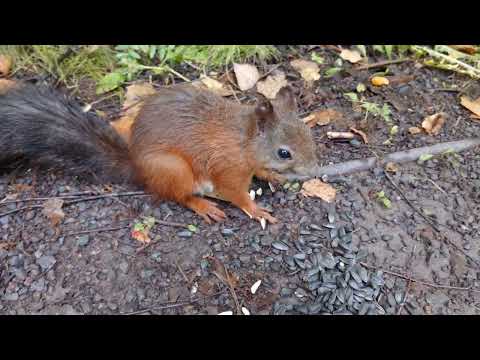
[258, 213]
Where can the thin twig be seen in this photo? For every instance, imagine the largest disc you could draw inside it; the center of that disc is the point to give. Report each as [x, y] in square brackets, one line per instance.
[96, 197]
[181, 272]
[435, 184]
[437, 286]
[427, 219]
[20, 209]
[407, 288]
[97, 230]
[170, 305]
[382, 63]
[232, 291]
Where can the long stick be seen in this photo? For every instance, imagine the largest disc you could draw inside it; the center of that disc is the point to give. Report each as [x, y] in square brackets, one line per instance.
[354, 166]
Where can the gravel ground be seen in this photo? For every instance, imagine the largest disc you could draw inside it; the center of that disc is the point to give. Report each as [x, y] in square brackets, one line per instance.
[351, 256]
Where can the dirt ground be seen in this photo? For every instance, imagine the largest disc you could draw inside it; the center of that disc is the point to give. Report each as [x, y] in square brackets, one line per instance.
[46, 270]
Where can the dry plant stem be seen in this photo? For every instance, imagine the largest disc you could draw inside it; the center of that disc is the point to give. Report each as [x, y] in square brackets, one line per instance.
[475, 72]
[355, 166]
[96, 230]
[409, 282]
[436, 286]
[232, 291]
[381, 63]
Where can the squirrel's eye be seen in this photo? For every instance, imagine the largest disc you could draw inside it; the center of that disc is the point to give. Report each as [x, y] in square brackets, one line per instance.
[284, 154]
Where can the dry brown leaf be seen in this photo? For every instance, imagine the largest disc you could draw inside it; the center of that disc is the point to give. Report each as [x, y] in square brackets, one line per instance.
[472, 105]
[352, 56]
[361, 133]
[340, 135]
[322, 117]
[221, 272]
[308, 69]
[23, 187]
[52, 209]
[5, 65]
[414, 130]
[247, 76]
[272, 85]
[400, 79]
[379, 81]
[391, 167]
[7, 245]
[215, 86]
[434, 123]
[317, 188]
[6, 85]
[469, 49]
[141, 236]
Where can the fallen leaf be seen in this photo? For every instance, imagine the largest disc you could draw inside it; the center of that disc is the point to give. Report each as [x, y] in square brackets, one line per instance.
[414, 130]
[433, 123]
[6, 85]
[247, 75]
[379, 81]
[7, 245]
[52, 209]
[472, 105]
[141, 230]
[424, 157]
[215, 86]
[308, 69]
[322, 117]
[23, 187]
[340, 135]
[391, 167]
[5, 65]
[317, 188]
[221, 272]
[361, 133]
[361, 88]
[469, 49]
[352, 56]
[272, 85]
[400, 79]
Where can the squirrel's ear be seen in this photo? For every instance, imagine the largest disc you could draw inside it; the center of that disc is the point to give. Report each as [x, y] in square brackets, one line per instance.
[265, 114]
[285, 99]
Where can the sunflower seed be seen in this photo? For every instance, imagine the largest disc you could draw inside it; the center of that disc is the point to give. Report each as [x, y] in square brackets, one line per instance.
[355, 276]
[314, 285]
[315, 227]
[364, 308]
[399, 297]
[329, 226]
[391, 300]
[280, 246]
[299, 256]
[331, 217]
[299, 263]
[363, 274]
[341, 232]
[315, 308]
[353, 284]
[313, 272]
[333, 234]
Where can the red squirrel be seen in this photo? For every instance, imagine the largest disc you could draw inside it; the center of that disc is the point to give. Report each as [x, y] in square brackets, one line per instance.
[186, 142]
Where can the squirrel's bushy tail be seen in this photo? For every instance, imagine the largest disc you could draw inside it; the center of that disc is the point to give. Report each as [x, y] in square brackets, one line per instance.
[42, 127]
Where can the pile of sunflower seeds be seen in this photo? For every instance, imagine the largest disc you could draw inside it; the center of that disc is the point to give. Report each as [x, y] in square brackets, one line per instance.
[335, 281]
